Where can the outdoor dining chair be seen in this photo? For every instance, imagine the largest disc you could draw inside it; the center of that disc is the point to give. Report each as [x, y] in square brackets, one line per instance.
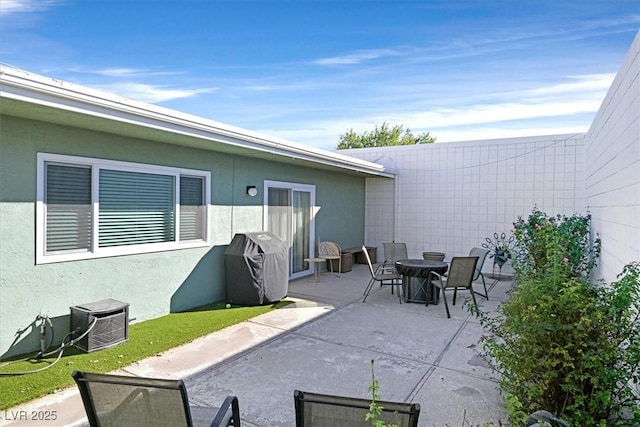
[393, 252]
[382, 277]
[459, 276]
[330, 251]
[323, 410]
[482, 255]
[117, 400]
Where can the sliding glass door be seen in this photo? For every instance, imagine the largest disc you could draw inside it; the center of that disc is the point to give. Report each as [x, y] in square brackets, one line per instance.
[289, 215]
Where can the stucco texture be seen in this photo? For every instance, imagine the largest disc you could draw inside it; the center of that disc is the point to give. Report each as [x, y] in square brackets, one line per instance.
[156, 283]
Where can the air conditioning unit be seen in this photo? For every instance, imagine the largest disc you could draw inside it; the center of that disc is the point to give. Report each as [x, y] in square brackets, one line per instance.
[111, 324]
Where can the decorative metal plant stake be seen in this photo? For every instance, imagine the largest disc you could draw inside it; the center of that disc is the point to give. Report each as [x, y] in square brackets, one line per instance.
[500, 247]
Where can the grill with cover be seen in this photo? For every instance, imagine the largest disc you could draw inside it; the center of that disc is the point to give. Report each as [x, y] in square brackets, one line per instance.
[256, 268]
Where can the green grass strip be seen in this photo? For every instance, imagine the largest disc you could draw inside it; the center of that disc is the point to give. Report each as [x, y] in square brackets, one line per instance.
[146, 339]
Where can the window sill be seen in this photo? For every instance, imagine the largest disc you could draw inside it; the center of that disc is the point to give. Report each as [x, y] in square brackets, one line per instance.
[118, 251]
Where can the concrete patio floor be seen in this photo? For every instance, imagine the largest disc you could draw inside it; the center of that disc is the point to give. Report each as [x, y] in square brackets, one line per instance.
[325, 343]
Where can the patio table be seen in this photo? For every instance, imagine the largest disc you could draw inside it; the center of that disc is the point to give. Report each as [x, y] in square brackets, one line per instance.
[415, 275]
[316, 267]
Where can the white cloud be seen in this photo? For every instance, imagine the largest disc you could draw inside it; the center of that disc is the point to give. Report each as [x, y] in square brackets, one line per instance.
[152, 94]
[263, 88]
[578, 84]
[442, 121]
[8, 7]
[488, 113]
[129, 72]
[556, 108]
[581, 94]
[357, 57]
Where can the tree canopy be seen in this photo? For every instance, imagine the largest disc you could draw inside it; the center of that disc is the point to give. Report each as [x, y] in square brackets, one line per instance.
[383, 136]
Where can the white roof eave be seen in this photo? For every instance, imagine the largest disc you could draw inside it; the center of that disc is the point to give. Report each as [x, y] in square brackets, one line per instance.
[32, 88]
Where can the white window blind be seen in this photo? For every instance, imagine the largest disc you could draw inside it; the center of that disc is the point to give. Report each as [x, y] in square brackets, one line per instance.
[68, 202]
[135, 208]
[191, 208]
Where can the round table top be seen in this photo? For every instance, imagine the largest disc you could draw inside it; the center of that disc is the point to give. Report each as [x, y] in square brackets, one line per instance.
[420, 267]
[421, 263]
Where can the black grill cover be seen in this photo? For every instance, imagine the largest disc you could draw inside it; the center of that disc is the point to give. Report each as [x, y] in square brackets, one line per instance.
[256, 268]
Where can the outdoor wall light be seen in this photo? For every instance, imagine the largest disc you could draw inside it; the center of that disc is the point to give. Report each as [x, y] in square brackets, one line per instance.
[252, 190]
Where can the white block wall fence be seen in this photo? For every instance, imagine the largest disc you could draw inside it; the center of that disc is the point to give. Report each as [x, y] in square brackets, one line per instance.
[612, 159]
[449, 197]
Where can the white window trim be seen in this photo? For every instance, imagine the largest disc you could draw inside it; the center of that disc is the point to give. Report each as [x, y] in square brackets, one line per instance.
[95, 252]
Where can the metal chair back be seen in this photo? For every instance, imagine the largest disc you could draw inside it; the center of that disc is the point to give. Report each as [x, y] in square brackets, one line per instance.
[394, 251]
[382, 276]
[482, 255]
[461, 272]
[323, 410]
[118, 400]
[366, 254]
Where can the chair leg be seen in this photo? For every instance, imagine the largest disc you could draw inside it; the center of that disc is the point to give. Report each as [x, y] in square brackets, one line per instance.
[455, 294]
[484, 285]
[446, 305]
[330, 262]
[337, 274]
[473, 296]
[398, 291]
[367, 290]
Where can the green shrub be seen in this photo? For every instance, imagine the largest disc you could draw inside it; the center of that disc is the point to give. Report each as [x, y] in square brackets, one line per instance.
[571, 238]
[560, 342]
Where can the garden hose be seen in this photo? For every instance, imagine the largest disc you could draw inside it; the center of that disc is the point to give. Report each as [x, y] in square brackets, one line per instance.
[44, 319]
[40, 355]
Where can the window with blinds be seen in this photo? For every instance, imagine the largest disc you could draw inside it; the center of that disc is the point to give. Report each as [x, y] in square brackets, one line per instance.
[135, 208]
[191, 208]
[103, 208]
[68, 219]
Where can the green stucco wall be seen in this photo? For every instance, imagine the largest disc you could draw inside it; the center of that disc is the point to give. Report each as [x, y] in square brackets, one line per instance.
[153, 284]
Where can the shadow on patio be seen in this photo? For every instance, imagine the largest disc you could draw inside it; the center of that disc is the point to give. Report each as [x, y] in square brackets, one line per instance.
[325, 343]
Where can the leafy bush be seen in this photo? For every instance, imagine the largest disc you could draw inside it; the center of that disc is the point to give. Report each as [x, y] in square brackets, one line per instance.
[571, 238]
[561, 343]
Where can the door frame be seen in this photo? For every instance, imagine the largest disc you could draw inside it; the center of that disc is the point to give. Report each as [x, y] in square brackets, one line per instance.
[293, 186]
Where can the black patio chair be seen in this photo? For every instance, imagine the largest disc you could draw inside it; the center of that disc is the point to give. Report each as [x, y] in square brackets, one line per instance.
[482, 255]
[381, 276]
[393, 252]
[459, 276]
[324, 410]
[117, 400]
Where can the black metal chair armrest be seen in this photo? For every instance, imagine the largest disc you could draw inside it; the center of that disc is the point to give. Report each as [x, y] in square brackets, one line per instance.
[229, 413]
[438, 275]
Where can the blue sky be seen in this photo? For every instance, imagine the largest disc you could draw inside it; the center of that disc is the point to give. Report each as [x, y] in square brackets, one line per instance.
[308, 71]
